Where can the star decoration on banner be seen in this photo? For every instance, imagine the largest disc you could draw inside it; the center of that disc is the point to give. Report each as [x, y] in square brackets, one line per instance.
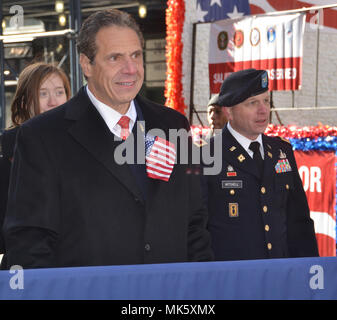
[235, 13]
[213, 2]
[200, 14]
[213, 10]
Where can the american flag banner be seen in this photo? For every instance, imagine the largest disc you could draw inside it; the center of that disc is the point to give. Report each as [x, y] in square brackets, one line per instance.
[272, 43]
[327, 19]
[212, 10]
[160, 156]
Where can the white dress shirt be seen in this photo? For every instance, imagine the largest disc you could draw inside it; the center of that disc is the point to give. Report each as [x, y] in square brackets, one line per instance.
[245, 142]
[111, 116]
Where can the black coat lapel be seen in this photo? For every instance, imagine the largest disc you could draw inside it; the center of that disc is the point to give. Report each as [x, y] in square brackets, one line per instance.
[236, 155]
[90, 130]
[271, 155]
[151, 122]
[151, 118]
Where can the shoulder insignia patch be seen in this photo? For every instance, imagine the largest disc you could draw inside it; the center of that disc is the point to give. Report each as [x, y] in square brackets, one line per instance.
[285, 140]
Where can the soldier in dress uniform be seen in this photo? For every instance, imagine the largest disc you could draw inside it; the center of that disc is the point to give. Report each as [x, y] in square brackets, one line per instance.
[257, 206]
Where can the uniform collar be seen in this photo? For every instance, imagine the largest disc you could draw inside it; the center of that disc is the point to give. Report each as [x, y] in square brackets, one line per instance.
[245, 142]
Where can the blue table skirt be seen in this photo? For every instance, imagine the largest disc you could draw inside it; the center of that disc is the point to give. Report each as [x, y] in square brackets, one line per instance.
[300, 278]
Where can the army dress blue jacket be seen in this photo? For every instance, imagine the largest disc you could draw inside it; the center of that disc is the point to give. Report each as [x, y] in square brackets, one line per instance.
[253, 216]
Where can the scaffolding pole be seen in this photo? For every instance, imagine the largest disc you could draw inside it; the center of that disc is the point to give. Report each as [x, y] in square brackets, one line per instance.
[2, 79]
[75, 18]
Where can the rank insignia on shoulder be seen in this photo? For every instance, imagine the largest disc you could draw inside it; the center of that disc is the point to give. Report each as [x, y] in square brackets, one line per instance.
[285, 140]
[233, 210]
[231, 172]
[283, 166]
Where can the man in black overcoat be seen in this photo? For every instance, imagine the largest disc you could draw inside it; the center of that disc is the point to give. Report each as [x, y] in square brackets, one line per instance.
[257, 206]
[71, 203]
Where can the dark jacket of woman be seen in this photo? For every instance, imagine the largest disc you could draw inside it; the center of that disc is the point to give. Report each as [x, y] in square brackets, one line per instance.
[7, 143]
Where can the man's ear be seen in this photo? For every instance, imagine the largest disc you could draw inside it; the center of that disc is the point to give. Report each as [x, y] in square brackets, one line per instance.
[228, 112]
[85, 65]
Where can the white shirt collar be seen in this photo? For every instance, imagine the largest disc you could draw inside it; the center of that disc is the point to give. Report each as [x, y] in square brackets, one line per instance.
[245, 142]
[111, 116]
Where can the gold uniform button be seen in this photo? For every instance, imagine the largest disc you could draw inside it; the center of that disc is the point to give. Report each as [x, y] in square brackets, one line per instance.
[265, 209]
[232, 192]
[287, 186]
[269, 246]
[263, 190]
[266, 227]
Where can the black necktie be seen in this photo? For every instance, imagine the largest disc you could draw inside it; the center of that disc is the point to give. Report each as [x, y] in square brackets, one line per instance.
[255, 147]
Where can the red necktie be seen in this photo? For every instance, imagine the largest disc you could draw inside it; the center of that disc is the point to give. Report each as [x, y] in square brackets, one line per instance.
[124, 124]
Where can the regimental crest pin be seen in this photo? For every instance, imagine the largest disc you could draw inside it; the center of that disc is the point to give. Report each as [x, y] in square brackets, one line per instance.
[230, 171]
[282, 155]
[233, 210]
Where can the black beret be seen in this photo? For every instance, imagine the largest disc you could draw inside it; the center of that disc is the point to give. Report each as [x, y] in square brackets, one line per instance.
[241, 85]
[214, 100]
